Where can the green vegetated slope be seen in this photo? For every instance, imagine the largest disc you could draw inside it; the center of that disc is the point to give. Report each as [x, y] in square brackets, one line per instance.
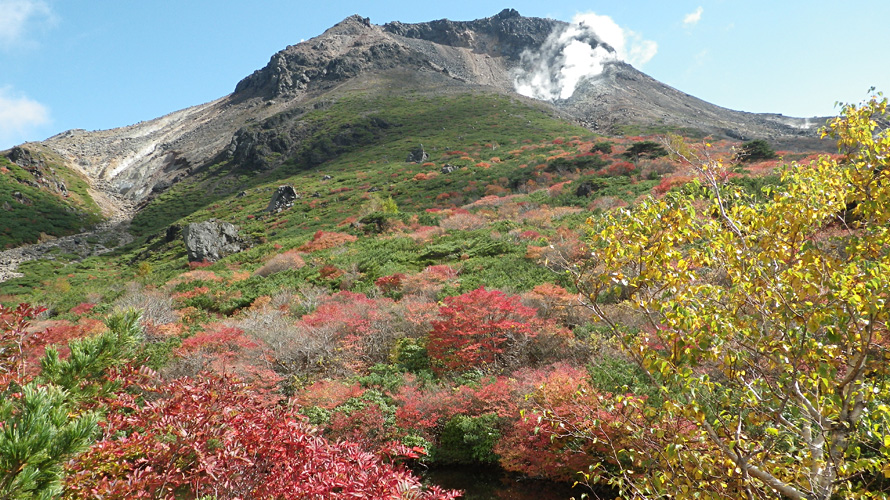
[44, 199]
[364, 139]
[517, 177]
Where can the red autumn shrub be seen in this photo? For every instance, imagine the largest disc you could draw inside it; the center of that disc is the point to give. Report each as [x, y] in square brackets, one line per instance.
[58, 333]
[425, 409]
[198, 264]
[214, 437]
[355, 331]
[620, 168]
[480, 329]
[190, 294]
[390, 284]
[82, 308]
[218, 339]
[556, 189]
[534, 448]
[330, 272]
[16, 341]
[463, 222]
[366, 425]
[530, 235]
[669, 182]
[429, 282]
[322, 240]
[223, 348]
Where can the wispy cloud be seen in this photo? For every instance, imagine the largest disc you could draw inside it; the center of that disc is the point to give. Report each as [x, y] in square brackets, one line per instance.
[18, 18]
[19, 117]
[693, 18]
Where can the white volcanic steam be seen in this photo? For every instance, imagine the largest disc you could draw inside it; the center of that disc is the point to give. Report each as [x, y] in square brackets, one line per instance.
[577, 52]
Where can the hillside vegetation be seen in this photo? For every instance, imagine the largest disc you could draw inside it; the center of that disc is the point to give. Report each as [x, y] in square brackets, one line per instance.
[42, 199]
[449, 311]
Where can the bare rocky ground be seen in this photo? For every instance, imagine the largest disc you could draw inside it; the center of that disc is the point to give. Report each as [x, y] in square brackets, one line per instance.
[101, 239]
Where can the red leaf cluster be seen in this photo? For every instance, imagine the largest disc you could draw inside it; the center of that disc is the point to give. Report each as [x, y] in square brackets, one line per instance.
[479, 329]
[16, 341]
[213, 437]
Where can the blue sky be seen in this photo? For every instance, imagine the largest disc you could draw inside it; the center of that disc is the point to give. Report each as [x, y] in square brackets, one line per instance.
[101, 64]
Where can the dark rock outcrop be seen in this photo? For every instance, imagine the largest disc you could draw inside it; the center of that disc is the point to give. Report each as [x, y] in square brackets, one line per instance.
[173, 233]
[211, 240]
[282, 199]
[348, 48]
[506, 34]
[418, 155]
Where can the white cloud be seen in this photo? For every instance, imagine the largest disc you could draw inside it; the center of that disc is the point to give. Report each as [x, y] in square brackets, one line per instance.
[19, 17]
[19, 116]
[577, 52]
[693, 18]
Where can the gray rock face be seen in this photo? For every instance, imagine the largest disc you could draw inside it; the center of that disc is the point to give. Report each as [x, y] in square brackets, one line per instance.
[506, 34]
[282, 199]
[418, 155]
[211, 240]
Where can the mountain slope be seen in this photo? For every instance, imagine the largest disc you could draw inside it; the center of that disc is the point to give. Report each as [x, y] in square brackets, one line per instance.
[144, 159]
[40, 197]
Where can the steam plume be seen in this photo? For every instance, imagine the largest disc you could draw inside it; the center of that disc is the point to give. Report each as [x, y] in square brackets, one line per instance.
[576, 52]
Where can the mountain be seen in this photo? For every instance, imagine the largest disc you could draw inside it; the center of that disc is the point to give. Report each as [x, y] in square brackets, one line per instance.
[357, 56]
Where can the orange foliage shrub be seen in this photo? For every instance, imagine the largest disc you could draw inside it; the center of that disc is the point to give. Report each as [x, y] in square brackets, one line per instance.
[563, 393]
[197, 275]
[553, 302]
[556, 189]
[327, 394]
[322, 240]
[669, 182]
[281, 262]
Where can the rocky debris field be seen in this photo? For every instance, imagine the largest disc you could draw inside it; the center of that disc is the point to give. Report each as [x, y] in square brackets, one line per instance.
[101, 239]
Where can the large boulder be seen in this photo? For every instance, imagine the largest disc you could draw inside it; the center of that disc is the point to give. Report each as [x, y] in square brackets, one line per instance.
[282, 199]
[417, 155]
[211, 240]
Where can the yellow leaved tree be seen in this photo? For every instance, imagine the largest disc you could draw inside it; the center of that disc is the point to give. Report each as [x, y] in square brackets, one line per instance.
[764, 326]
